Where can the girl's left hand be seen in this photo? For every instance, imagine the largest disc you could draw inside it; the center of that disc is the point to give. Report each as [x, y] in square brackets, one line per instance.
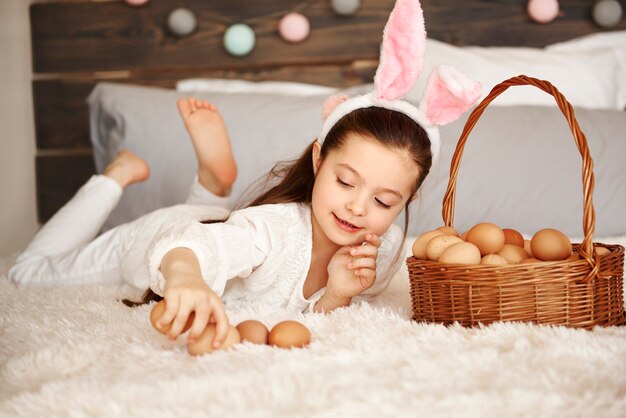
[352, 269]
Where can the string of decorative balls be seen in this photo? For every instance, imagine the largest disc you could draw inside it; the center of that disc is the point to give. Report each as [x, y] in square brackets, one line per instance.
[605, 13]
[239, 38]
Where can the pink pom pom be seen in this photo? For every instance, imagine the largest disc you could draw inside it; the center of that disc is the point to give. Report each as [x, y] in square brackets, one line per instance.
[543, 11]
[136, 2]
[331, 104]
[294, 27]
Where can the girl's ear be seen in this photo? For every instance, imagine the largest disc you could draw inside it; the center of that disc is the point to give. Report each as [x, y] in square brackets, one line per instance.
[316, 155]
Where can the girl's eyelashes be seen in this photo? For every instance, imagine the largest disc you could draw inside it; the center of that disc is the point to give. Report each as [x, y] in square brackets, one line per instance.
[343, 183]
[382, 204]
[378, 201]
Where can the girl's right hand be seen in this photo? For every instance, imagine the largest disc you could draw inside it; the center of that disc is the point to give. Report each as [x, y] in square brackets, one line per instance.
[185, 294]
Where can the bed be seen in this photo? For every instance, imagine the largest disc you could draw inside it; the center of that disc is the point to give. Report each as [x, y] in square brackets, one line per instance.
[106, 76]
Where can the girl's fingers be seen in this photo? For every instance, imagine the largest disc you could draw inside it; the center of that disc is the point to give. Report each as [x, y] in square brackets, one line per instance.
[199, 323]
[366, 277]
[373, 239]
[362, 263]
[171, 309]
[184, 311]
[221, 325]
[364, 251]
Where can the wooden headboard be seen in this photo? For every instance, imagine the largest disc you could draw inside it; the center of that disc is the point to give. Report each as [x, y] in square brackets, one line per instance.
[76, 43]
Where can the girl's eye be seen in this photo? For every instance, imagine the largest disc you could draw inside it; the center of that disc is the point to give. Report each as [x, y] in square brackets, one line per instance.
[382, 204]
[343, 183]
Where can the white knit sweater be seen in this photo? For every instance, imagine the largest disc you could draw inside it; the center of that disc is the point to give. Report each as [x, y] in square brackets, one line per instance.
[260, 254]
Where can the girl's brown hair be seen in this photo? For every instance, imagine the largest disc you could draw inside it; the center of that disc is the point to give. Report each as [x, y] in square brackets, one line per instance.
[292, 181]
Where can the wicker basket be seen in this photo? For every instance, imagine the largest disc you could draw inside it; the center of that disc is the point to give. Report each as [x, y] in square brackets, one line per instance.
[582, 293]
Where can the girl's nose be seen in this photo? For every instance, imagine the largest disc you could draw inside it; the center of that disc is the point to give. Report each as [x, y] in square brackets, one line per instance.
[357, 207]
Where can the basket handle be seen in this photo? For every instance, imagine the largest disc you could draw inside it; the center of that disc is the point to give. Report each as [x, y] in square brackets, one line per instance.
[589, 217]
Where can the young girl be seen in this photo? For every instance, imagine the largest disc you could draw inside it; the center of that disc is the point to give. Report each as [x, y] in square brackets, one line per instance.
[320, 237]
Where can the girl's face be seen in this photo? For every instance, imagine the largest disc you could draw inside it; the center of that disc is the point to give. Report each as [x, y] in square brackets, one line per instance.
[359, 188]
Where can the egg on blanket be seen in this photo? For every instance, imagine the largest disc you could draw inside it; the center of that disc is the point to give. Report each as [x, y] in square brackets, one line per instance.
[157, 312]
[204, 343]
[289, 334]
[253, 331]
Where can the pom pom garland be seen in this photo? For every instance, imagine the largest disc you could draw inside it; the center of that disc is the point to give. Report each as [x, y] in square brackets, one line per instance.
[543, 11]
[239, 39]
[294, 27]
[182, 22]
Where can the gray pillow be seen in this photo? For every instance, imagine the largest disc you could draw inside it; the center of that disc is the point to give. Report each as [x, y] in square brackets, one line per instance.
[520, 169]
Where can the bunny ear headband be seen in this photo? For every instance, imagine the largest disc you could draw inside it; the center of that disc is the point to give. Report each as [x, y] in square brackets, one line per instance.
[447, 95]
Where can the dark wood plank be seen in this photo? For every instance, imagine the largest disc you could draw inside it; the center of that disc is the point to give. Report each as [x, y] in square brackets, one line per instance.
[98, 36]
[506, 23]
[58, 178]
[93, 36]
[62, 114]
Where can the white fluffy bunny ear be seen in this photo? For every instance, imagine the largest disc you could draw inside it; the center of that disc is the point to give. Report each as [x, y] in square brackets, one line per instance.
[402, 54]
[448, 94]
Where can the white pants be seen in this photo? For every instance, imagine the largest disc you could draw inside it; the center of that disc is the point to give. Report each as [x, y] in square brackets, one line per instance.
[67, 250]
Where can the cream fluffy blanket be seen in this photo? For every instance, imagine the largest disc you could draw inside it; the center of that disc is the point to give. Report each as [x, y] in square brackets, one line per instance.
[79, 352]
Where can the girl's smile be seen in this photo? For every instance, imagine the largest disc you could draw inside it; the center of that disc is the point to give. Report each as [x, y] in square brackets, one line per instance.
[346, 226]
[360, 188]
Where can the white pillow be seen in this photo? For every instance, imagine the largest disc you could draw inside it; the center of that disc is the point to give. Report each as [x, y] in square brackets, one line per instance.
[507, 175]
[615, 41]
[587, 78]
[218, 85]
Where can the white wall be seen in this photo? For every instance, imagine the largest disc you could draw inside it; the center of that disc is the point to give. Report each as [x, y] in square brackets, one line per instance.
[18, 218]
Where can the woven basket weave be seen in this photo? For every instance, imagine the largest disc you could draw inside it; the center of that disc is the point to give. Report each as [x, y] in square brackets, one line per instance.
[581, 293]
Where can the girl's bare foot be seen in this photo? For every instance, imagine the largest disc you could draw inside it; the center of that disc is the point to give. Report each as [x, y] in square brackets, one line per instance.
[127, 168]
[217, 169]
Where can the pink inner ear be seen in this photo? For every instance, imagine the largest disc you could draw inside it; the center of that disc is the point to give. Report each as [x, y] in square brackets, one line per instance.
[402, 55]
[448, 95]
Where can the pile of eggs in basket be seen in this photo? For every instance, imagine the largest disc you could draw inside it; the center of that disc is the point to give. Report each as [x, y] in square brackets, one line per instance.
[486, 243]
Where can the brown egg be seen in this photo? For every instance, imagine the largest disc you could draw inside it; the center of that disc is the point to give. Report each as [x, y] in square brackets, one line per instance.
[550, 245]
[527, 247]
[511, 236]
[493, 260]
[254, 331]
[439, 244]
[513, 254]
[289, 334]
[419, 246]
[488, 237]
[463, 236]
[204, 344]
[448, 230]
[530, 260]
[602, 250]
[574, 257]
[158, 310]
[461, 253]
